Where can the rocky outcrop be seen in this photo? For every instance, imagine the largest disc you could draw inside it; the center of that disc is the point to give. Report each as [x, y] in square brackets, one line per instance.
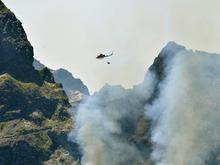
[16, 52]
[159, 65]
[38, 65]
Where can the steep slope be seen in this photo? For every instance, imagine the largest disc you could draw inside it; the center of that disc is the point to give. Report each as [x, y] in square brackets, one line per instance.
[34, 118]
[186, 109]
[160, 64]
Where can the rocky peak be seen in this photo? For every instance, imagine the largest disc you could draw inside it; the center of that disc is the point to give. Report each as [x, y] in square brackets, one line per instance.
[166, 54]
[70, 84]
[171, 48]
[16, 52]
[38, 65]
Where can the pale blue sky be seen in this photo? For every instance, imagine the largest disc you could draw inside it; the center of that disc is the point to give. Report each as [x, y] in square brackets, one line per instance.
[70, 33]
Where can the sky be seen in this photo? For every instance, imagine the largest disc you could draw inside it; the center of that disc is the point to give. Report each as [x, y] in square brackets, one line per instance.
[71, 33]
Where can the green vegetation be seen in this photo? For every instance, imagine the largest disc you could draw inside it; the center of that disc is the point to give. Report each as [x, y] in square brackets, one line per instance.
[34, 115]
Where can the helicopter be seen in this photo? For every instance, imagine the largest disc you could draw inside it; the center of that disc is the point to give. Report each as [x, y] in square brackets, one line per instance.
[102, 56]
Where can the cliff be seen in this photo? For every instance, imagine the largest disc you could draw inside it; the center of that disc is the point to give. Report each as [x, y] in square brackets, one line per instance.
[34, 117]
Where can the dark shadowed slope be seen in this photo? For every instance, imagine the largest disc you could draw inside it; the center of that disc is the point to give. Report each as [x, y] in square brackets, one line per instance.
[15, 50]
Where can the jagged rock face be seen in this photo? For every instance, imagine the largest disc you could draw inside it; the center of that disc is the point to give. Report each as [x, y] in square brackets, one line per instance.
[38, 65]
[34, 118]
[159, 65]
[16, 52]
[70, 83]
[167, 53]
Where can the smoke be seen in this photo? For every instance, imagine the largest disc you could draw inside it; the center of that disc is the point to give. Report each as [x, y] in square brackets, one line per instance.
[107, 121]
[187, 113]
[179, 99]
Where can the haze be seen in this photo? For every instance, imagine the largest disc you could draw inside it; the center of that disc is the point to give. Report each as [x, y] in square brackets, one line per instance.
[70, 34]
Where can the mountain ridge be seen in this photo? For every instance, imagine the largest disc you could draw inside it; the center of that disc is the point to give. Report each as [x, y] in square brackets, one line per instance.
[71, 85]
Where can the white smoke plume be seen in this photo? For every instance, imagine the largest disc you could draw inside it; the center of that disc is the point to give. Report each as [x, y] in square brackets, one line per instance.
[106, 121]
[181, 97]
[187, 113]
